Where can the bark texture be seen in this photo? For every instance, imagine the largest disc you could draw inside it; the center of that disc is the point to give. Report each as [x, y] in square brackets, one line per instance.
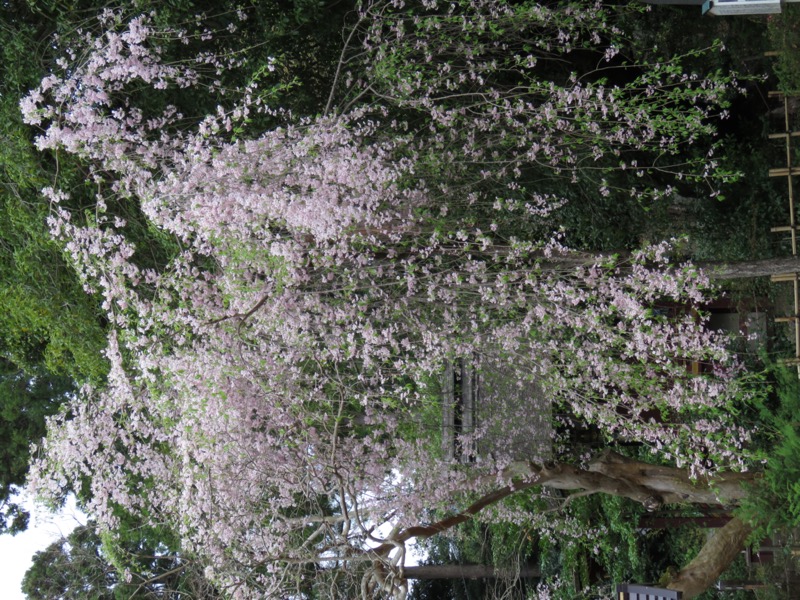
[673, 485]
[751, 268]
[610, 473]
[716, 554]
[716, 270]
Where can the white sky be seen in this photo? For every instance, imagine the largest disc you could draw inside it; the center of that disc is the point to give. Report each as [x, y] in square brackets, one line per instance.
[17, 551]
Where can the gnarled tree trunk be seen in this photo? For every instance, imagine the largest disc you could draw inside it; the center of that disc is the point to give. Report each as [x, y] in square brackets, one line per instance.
[714, 557]
[673, 485]
[611, 473]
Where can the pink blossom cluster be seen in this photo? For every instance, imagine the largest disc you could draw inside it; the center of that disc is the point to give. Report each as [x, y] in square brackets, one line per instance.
[487, 78]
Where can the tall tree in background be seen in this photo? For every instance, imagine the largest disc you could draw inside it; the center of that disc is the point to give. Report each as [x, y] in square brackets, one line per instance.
[71, 568]
[27, 398]
[81, 567]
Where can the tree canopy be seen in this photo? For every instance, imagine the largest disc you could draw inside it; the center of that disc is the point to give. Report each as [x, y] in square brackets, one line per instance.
[275, 353]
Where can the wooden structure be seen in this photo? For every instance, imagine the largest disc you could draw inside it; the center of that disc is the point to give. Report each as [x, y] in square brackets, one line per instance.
[789, 172]
[705, 515]
[630, 591]
[735, 318]
[478, 401]
[670, 522]
[459, 399]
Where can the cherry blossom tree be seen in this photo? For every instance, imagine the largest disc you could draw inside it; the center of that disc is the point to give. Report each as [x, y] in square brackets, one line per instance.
[269, 384]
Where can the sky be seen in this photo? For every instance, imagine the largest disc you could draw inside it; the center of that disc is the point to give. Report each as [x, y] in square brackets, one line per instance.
[16, 551]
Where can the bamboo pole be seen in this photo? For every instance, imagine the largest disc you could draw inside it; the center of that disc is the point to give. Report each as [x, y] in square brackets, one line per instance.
[789, 172]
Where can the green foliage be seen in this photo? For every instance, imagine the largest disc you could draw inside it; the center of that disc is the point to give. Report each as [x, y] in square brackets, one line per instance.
[784, 36]
[616, 553]
[664, 31]
[71, 568]
[26, 399]
[46, 319]
[90, 565]
[468, 548]
[774, 502]
[476, 543]
[736, 228]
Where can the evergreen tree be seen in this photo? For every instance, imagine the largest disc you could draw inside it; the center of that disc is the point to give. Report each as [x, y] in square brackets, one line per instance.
[26, 399]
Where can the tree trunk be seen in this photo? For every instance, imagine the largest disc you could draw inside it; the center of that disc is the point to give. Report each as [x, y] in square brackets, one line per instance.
[715, 556]
[717, 270]
[468, 572]
[751, 268]
[610, 473]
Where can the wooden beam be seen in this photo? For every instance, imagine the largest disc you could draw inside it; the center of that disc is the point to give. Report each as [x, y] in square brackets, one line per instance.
[784, 171]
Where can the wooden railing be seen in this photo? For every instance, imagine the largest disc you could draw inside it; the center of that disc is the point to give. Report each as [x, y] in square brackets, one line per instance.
[789, 172]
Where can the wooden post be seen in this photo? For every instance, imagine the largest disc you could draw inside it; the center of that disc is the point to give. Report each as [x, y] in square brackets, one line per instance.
[469, 392]
[448, 413]
[651, 522]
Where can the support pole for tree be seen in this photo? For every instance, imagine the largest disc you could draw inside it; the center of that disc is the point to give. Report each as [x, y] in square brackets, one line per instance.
[468, 572]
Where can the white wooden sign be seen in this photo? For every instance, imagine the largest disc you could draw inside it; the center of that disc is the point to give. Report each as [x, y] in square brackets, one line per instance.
[744, 7]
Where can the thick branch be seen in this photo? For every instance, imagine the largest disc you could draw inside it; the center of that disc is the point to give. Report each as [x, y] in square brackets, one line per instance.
[525, 475]
[718, 270]
[714, 557]
[610, 473]
[568, 477]
[673, 484]
[750, 268]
